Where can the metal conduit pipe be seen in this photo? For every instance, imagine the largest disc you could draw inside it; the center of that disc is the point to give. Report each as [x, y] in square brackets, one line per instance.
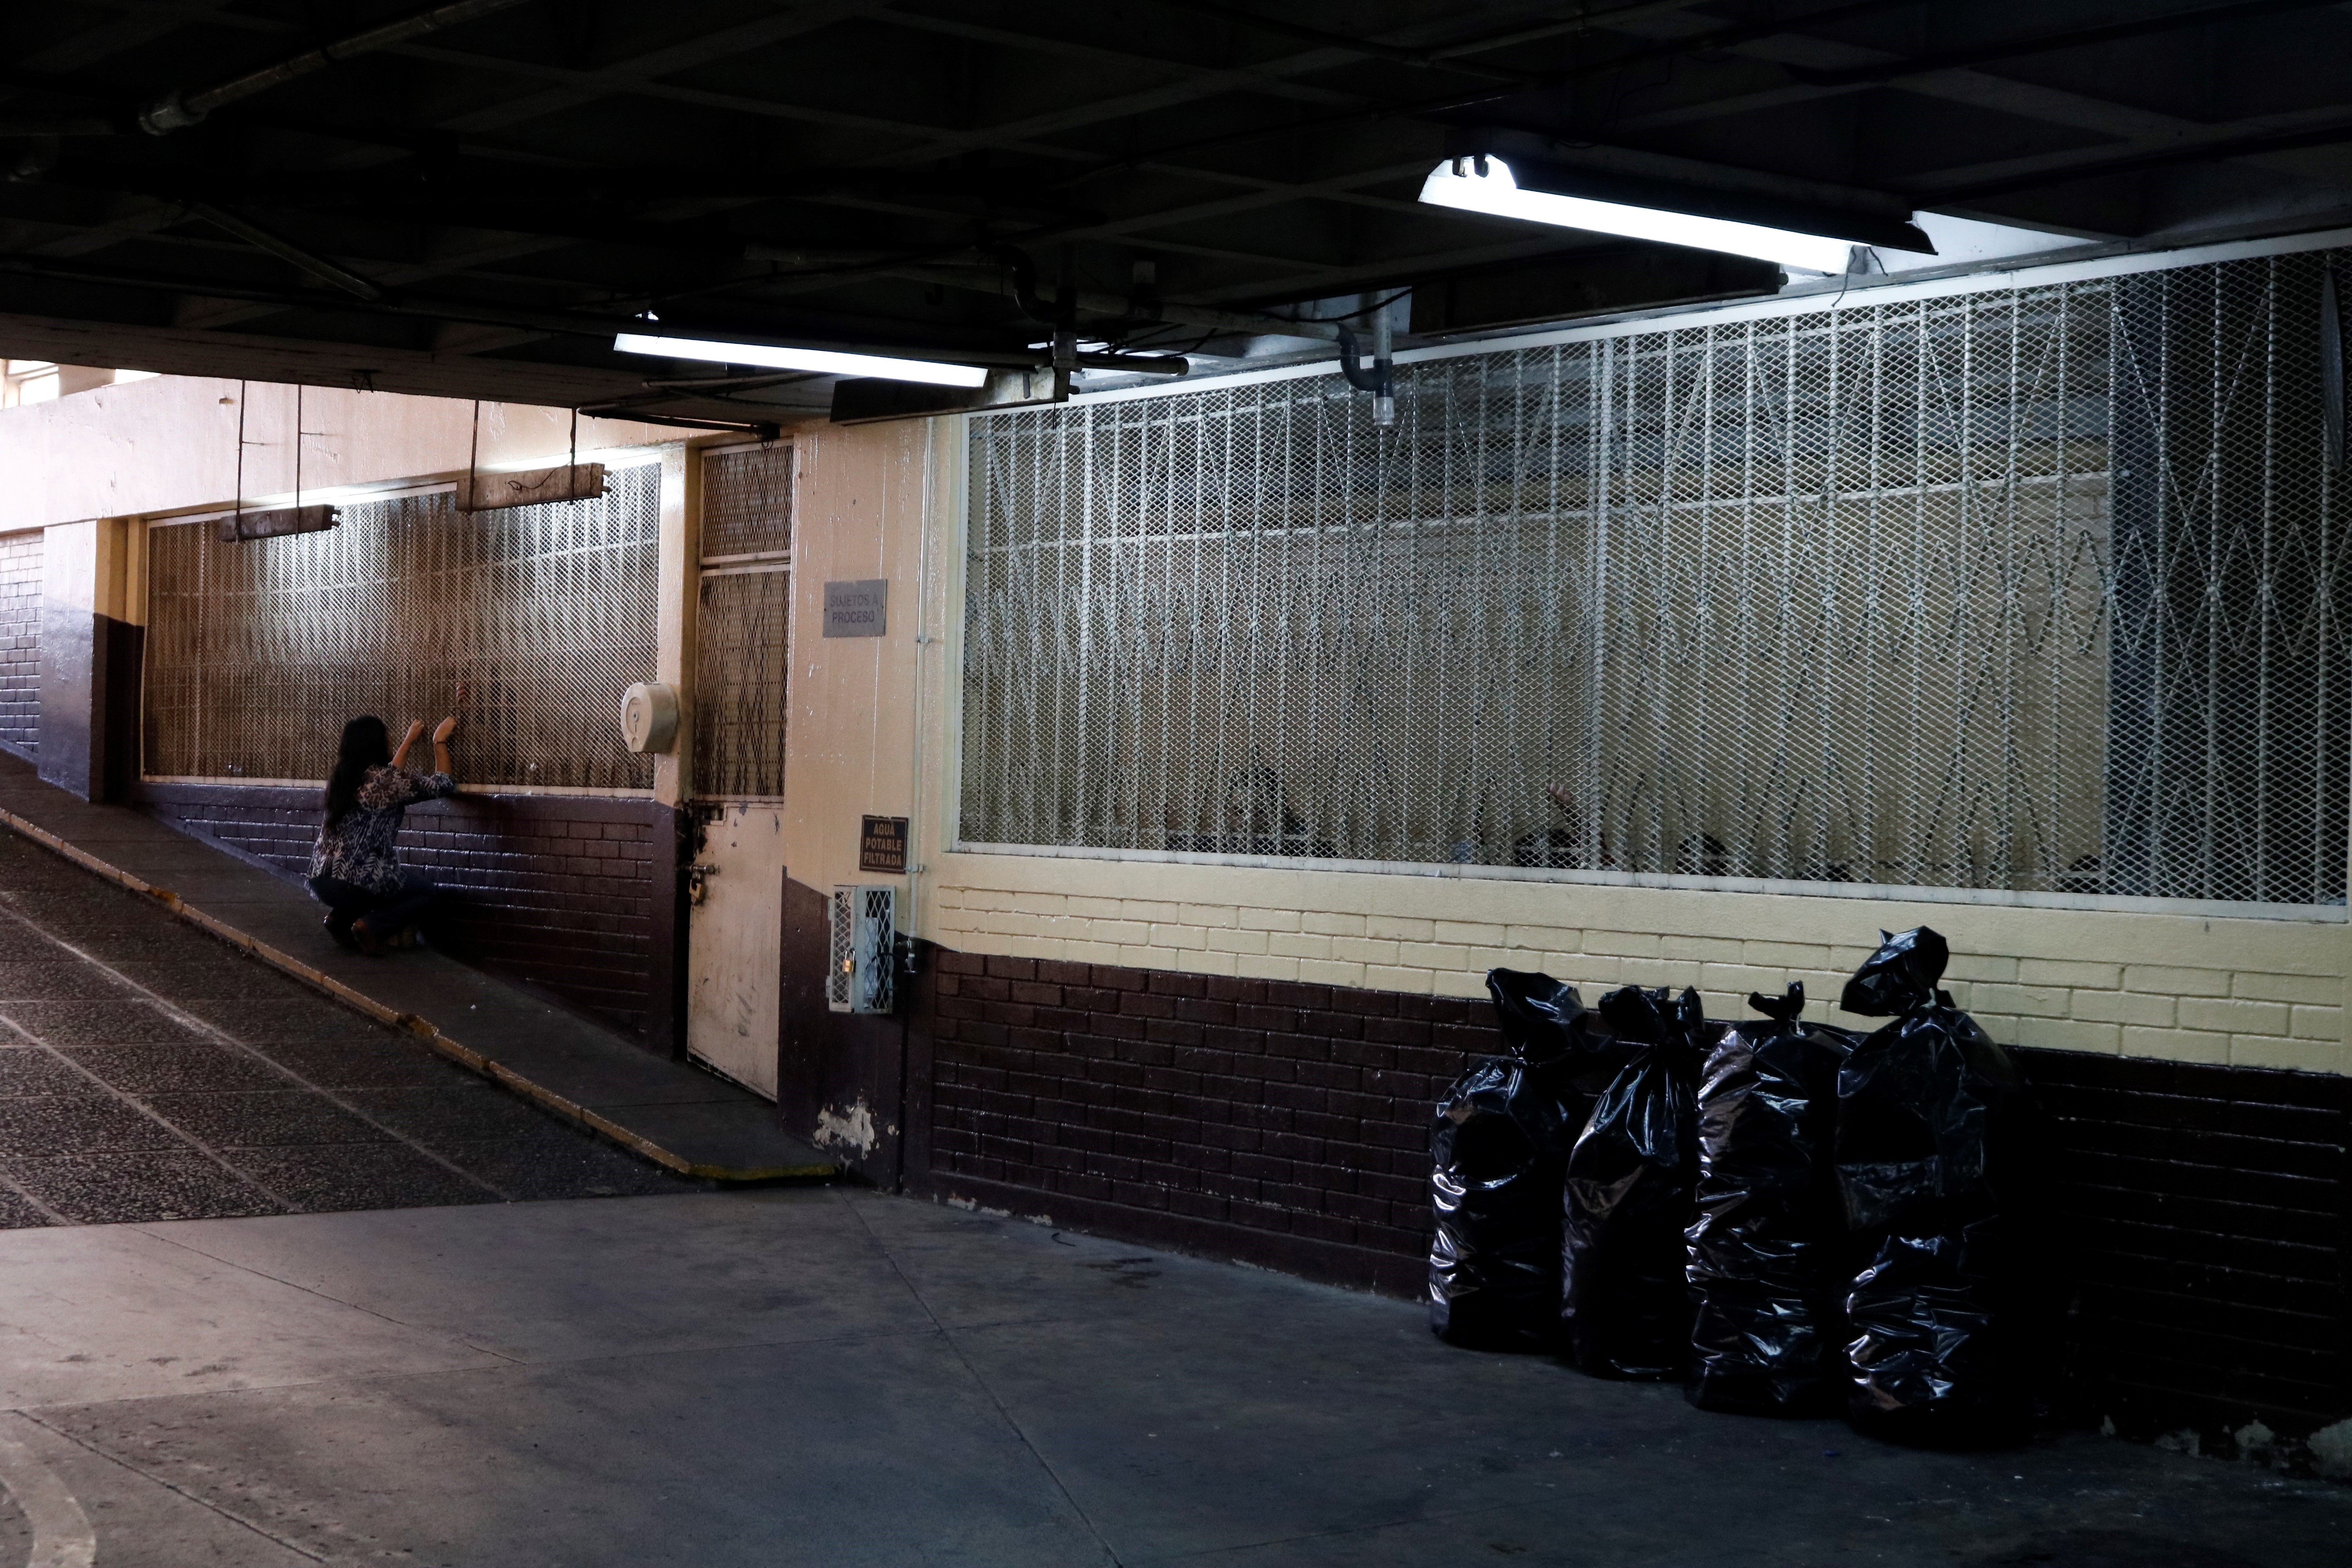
[277, 245]
[1024, 272]
[179, 109]
[1380, 380]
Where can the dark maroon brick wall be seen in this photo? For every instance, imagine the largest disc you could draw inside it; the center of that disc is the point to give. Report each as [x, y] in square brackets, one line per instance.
[2206, 1215]
[567, 894]
[2204, 1210]
[1288, 1123]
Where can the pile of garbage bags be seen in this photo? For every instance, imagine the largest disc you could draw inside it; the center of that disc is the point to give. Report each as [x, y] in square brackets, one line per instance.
[1790, 1218]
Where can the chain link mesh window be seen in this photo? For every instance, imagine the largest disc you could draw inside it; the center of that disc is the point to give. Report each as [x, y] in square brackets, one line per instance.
[2033, 589]
[743, 628]
[20, 639]
[256, 653]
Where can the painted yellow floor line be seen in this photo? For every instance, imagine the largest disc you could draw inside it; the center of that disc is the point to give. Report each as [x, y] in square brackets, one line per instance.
[422, 1028]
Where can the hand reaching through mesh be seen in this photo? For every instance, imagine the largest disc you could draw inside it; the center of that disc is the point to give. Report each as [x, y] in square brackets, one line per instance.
[447, 730]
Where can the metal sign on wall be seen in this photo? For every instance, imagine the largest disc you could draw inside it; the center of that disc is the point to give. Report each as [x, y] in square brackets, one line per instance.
[858, 609]
[882, 843]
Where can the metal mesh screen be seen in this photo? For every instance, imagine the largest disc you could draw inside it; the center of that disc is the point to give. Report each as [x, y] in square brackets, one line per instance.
[747, 503]
[2030, 589]
[841, 948]
[861, 935]
[20, 639]
[256, 653]
[742, 646]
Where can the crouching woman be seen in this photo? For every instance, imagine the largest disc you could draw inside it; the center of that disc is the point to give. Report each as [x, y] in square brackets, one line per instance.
[355, 868]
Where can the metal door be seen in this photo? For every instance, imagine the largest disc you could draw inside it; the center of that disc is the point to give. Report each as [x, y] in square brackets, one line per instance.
[743, 650]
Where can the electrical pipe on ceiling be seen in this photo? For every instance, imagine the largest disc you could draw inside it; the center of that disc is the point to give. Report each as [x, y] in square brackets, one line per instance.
[180, 108]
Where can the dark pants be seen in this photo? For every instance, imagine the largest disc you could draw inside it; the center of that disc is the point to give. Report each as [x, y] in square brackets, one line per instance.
[385, 912]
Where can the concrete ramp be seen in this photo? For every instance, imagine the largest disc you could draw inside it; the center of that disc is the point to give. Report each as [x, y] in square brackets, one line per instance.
[676, 1115]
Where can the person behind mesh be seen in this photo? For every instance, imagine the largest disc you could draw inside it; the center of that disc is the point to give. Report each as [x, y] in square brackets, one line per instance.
[355, 868]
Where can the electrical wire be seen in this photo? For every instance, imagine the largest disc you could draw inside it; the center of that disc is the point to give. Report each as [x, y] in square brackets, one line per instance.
[1371, 309]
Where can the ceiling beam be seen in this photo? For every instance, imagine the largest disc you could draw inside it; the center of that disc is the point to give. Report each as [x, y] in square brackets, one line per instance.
[1825, 69]
[1226, 78]
[642, 71]
[2055, 40]
[175, 351]
[91, 46]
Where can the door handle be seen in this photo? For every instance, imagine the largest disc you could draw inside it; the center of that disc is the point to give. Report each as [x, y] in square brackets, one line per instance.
[696, 879]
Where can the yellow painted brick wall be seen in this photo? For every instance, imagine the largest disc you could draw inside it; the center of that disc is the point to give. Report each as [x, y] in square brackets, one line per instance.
[2248, 993]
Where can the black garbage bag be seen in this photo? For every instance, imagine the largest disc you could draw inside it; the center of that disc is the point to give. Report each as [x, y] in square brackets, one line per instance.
[1939, 1177]
[1545, 1024]
[1768, 1257]
[1625, 1306]
[1498, 1153]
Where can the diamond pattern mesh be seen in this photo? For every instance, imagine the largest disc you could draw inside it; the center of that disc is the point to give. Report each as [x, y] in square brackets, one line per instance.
[841, 948]
[20, 639]
[861, 933]
[256, 653]
[741, 650]
[743, 628]
[2032, 589]
[747, 503]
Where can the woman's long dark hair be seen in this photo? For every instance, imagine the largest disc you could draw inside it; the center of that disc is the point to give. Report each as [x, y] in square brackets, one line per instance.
[366, 744]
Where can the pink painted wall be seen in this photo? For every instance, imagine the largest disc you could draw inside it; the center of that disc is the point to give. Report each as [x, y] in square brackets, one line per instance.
[169, 444]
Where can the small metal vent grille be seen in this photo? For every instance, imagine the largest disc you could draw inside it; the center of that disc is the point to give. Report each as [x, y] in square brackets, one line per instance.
[20, 639]
[877, 943]
[747, 503]
[742, 634]
[2031, 589]
[256, 653]
[863, 931]
[841, 949]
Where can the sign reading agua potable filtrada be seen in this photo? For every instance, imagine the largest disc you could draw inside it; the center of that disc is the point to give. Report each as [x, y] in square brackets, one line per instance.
[882, 845]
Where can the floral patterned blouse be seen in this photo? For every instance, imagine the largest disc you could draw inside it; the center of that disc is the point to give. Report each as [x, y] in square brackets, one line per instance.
[358, 849]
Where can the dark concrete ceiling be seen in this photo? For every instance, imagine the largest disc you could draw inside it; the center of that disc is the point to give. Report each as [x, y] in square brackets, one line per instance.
[473, 210]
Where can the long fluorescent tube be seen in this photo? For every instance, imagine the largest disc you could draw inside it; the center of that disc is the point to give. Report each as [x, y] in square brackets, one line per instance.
[823, 362]
[1498, 192]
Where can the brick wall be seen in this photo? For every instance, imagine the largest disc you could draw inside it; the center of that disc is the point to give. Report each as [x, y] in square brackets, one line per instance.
[1291, 1117]
[20, 641]
[2240, 992]
[568, 894]
[1288, 1123]
[2205, 1210]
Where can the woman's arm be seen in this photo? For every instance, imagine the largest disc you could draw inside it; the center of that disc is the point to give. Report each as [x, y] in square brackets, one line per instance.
[416, 733]
[441, 737]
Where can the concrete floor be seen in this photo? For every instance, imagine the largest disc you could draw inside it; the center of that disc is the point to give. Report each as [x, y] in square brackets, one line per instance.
[789, 1376]
[818, 1377]
[148, 1071]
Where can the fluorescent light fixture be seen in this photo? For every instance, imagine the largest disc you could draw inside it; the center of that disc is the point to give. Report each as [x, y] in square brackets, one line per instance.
[822, 362]
[1498, 192]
